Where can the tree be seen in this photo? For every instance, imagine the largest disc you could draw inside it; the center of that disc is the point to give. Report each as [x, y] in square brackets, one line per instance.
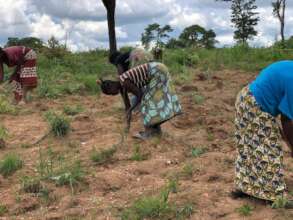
[174, 43]
[110, 6]
[197, 36]
[31, 42]
[279, 8]
[244, 19]
[154, 32]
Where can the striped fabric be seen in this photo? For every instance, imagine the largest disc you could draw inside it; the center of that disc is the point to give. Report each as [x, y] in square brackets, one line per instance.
[138, 75]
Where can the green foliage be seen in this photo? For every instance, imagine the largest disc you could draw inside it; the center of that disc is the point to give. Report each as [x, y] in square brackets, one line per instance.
[10, 164]
[103, 156]
[3, 132]
[154, 32]
[137, 155]
[5, 106]
[280, 203]
[72, 110]
[31, 184]
[173, 184]
[244, 19]
[3, 209]
[188, 170]
[198, 99]
[197, 36]
[56, 168]
[245, 210]
[198, 151]
[31, 42]
[59, 124]
[157, 207]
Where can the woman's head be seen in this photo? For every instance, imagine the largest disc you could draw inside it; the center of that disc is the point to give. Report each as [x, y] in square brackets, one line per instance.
[110, 87]
[120, 59]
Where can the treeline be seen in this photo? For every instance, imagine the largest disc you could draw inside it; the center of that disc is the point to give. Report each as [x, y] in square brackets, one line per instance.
[51, 49]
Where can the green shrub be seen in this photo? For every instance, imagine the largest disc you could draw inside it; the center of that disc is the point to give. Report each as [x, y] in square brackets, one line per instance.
[103, 156]
[137, 155]
[196, 152]
[198, 99]
[245, 210]
[5, 106]
[31, 184]
[59, 124]
[72, 110]
[3, 209]
[10, 164]
[279, 203]
[3, 132]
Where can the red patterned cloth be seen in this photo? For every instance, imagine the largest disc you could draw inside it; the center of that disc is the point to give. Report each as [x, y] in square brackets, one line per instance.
[27, 75]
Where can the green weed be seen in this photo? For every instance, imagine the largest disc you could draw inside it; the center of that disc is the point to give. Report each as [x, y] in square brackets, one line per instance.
[188, 170]
[198, 99]
[59, 124]
[279, 203]
[5, 106]
[10, 164]
[196, 152]
[103, 156]
[31, 184]
[72, 110]
[245, 210]
[3, 209]
[137, 155]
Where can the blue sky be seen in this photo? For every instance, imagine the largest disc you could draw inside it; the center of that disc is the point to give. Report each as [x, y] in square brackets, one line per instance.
[83, 22]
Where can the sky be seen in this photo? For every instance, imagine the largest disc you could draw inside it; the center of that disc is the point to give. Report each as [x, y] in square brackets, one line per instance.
[83, 26]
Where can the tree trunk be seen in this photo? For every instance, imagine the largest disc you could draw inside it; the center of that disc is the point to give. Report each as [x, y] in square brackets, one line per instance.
[283, 21]
[110, 5]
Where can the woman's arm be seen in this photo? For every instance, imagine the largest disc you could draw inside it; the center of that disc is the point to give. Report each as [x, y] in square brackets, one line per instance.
[287, 126]
[17, 68]
[129, 86]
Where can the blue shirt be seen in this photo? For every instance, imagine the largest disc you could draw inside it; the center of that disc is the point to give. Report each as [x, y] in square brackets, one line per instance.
[273, 89]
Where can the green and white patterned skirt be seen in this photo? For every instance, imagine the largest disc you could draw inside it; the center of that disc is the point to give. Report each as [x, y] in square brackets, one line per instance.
[259, 163]
[159, 103]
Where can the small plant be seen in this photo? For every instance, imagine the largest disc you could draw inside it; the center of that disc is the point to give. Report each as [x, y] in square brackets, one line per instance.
[72, 110]
[62, 172]
[197, 98]
[60, 125]
[210, 136]
[103, 156]
[147, 207]
[280, 203]
[31, 184]
[3, 132]
[137, 156]
[70, 175]
[173, 184]
[196, 152]
[10, 164]
[188, 170]
[245, 210]
[3, 209]
[185, 212]
[5, 107]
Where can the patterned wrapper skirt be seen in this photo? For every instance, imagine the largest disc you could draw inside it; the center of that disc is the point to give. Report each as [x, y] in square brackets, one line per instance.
[27, 76]
[259, 163]
[159, 103]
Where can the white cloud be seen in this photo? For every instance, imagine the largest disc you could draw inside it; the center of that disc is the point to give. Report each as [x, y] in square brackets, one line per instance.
[83, 22]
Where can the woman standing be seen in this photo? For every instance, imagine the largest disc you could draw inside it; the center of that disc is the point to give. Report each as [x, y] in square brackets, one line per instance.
[24, 77]
[259, 163]
[158, 101]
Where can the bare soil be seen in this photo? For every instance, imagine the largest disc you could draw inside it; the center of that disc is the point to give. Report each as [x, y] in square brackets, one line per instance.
[109, 188]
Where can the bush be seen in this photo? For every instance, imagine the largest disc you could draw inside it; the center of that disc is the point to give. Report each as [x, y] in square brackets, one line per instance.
[10, 164]
[245, 210]
[5, 106]
[60, 125]
[72, 110]
[102, 156]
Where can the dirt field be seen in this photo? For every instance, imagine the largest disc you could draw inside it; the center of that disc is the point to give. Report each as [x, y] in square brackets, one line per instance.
[110, 187]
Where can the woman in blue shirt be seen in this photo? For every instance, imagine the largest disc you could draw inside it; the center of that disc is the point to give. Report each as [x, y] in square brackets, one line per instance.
[259, 163]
